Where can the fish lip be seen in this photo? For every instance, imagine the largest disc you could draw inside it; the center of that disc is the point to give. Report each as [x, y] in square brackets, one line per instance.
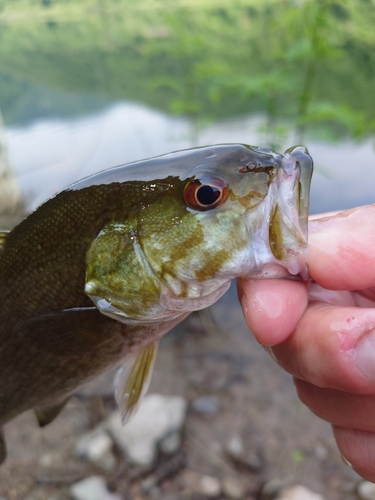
[297, 168]
[300, 155]
[279, 247]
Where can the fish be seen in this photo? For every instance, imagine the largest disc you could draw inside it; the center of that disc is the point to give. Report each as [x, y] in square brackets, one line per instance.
[96, 275]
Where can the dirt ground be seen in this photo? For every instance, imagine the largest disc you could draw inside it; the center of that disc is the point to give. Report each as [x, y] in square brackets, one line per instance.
[256, 401]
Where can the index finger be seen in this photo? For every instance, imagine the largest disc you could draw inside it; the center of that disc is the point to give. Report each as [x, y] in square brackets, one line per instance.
[272, 307]
[342, 250]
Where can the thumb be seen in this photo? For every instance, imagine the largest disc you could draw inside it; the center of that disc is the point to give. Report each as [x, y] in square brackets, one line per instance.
[272, 307]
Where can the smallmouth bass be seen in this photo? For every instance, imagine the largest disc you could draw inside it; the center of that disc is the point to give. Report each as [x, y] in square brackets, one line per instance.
[97, 274]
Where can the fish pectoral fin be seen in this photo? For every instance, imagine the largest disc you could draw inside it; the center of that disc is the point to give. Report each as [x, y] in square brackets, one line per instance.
[133, 380]
[3, 448]
[68, 333]
[3, 235]
[49, 413]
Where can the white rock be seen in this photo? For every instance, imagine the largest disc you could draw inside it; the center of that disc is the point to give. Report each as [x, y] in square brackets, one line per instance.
[157, 417]
[92, 488]
[298, 492]
[206, 405]
[46, 460]
[321, 451]
[97, 448]
[232, 487]
[275, 485]
[235, 445]
[210, 486]
[366, 490]
[245, 457]
[201, 484]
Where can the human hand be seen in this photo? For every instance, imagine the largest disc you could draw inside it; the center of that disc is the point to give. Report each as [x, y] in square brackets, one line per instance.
[325, 337]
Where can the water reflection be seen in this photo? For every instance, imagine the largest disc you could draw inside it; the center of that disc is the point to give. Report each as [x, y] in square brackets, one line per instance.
[52, 153]
[205, 63]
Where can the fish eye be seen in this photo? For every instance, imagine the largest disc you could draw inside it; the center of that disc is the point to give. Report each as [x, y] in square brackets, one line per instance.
[205, 193]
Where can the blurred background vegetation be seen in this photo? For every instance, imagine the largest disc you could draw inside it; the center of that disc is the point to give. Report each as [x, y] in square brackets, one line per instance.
[308, 65]
[271, 73]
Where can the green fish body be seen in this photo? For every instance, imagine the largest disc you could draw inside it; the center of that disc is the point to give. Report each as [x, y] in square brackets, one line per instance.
[97, 274]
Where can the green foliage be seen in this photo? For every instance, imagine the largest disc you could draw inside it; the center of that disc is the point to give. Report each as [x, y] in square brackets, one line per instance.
[305, 64]
[298, 456]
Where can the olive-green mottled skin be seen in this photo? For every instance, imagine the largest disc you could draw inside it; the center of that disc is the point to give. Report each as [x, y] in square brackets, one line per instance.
[169, 237]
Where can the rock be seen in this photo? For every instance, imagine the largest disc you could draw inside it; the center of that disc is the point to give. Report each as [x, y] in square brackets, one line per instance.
[62, 470]
[60, 495]
[206, 405]
[201, 484]
[321, 451]
[92, 488]
[298, 492]
[272, 487]
[149, 483]
[245, 458]
[97, 448]
[232, 487]
[157, 417]
[209, 486]
[366, 490]
[165, 470]
[171, 443]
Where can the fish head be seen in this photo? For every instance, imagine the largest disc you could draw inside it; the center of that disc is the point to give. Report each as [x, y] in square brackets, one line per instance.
[204, 217]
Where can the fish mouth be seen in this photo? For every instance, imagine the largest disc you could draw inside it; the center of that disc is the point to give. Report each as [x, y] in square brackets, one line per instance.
[281, 245]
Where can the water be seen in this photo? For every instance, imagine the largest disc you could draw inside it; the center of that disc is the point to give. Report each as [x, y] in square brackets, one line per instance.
[86, 85]
[49, 154]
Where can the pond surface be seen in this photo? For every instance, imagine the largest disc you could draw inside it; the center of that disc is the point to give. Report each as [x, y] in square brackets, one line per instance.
[49, 154]
[86, 85]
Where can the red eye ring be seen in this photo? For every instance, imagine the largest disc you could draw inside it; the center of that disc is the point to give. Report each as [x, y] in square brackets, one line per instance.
[205, 193]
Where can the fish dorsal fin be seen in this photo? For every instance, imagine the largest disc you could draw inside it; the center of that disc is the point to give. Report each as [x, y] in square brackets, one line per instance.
[49, 413]
[133, 380]
[3, 235]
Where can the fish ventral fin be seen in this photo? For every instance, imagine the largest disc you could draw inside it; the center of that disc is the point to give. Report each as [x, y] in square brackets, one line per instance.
[133, 380]
[49, 413]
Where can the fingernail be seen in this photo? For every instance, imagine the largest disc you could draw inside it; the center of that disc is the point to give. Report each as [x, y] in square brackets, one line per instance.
[364, 355]
[269, 349]
[243, 299]
[346, 462]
